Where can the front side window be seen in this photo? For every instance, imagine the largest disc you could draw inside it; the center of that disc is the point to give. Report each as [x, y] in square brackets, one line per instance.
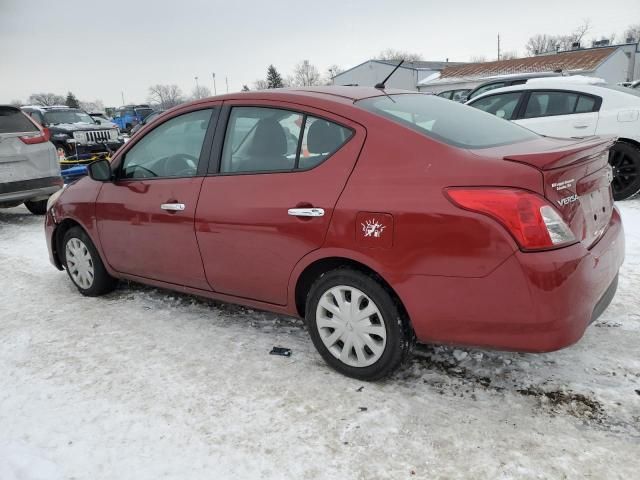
[170, 150]
[501, 105]
[446, 94]
[260, 139]
[448, 122]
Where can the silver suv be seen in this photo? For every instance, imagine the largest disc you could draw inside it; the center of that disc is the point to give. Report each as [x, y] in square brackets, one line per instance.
[29, 168]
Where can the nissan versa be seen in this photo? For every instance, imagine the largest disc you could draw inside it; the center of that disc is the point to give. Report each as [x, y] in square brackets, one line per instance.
[379, 216]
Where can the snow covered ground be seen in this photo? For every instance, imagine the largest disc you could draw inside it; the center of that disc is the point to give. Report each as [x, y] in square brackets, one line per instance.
[148, 384]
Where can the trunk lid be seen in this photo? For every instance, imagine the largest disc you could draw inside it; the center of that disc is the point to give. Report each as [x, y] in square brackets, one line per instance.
[577, 180]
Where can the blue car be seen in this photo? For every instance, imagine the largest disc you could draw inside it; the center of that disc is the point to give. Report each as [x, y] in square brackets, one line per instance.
[129, 116]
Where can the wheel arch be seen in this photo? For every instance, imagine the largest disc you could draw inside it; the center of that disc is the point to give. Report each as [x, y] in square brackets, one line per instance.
[58, 234]
[633, 142]
[313, 270]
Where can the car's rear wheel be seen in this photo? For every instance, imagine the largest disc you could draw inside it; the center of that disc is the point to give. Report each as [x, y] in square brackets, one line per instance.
[357, 325]
[83, 264]
[38, 207]
[625, 160]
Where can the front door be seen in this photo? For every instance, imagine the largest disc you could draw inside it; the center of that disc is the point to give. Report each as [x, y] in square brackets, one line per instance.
[146, 216]
[560, 114]
[270, 201]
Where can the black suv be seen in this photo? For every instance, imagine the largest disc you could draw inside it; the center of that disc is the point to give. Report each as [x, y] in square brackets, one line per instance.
[77, 137]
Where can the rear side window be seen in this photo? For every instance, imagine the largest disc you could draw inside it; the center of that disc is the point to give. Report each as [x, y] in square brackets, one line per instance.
[12, 120]
[585, 104]
[260, 139]
[449, 122]
[545, 104]
[501, 105]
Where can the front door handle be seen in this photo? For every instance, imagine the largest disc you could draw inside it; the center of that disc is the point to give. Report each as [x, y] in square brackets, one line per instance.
[306, 212]
[173, 207]
[580, 125]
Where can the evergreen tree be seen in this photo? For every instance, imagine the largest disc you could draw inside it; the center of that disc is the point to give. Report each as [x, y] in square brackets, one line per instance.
[245, 88]
[72, 101]
[274, 80]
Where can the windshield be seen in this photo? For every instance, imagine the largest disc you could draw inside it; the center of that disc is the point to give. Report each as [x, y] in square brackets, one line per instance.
[446, 121]
[66, 116]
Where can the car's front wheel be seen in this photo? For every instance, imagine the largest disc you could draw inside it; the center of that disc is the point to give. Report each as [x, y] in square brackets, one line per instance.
[83, 264]
[357, 325]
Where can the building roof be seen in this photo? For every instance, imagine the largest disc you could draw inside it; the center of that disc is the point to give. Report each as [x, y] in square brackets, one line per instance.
[417, 65]
[420, 64]
[585, 60]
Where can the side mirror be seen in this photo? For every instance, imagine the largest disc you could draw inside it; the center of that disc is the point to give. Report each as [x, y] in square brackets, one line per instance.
[100, 171]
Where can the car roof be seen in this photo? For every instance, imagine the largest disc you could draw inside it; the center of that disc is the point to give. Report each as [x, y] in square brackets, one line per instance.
[342, 94]
[602, 90]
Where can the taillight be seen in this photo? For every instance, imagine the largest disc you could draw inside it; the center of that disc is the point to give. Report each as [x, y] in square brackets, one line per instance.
[528, 217]
[42, 136]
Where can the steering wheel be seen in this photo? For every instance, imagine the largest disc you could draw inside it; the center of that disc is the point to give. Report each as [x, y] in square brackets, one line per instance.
[188, 168]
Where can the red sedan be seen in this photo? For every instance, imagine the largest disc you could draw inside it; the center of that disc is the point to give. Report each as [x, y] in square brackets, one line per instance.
[379, 216]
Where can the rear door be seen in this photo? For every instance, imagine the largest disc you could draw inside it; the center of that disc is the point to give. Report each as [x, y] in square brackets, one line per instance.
[146, 215]
[19, 160]
[560, 113]
[270, 199]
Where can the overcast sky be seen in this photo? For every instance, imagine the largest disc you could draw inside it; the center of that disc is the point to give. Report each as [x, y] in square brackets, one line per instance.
[99, 48]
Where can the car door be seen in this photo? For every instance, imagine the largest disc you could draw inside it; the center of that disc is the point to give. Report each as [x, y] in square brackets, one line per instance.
[146, 215]
[269, 200]
[559, 113]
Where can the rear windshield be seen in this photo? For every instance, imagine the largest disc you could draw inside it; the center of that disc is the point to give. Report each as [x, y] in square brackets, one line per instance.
[446, 121]
[13, 120]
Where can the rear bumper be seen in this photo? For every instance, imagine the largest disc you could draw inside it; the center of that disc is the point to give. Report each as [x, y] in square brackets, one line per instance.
[533, 302]
[34, 189]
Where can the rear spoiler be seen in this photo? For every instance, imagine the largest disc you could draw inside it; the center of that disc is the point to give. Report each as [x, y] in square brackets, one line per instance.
[566, 155]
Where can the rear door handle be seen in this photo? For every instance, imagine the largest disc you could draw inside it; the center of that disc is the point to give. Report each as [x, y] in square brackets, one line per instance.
[580, 125]
[306, 212]
[173, 207]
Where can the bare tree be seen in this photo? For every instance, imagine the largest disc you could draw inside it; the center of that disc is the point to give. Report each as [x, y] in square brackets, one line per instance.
[632, 32]
[200, 92]
[305, 75]
[542, 43]
[166, 96]
[46, 99]
[477, 59]
[260, 84]
[332, 71]
[16, 103]
[391, 54]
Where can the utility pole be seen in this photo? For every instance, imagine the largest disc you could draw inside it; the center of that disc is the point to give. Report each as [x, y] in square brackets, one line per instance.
[226, 79]
[122, 95]
[197, 88]
[215, 91]
[498, 47]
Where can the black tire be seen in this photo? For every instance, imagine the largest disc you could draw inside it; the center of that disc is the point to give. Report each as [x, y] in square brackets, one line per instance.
[102, 282]
[399, 335]
[38, 207]
[625, 159]
[128, 128]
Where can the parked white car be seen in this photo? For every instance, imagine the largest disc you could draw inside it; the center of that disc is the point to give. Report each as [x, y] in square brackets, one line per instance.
[577, 109]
